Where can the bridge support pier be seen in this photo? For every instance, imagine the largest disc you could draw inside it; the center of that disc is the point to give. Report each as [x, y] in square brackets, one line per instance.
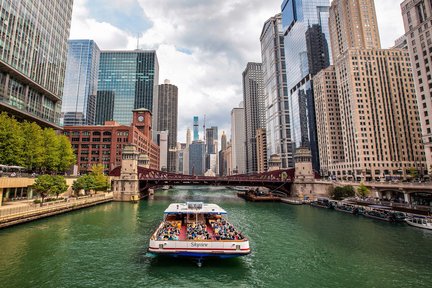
[126, 188]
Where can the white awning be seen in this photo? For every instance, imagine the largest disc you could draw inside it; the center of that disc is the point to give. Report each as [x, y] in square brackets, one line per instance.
[193, 208]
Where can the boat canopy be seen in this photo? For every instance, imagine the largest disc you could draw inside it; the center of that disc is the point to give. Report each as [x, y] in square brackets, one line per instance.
[193, 208]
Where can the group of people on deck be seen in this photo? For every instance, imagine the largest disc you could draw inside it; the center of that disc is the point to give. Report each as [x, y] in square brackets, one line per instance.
[168, 231]
[225, 231]
[197, 232]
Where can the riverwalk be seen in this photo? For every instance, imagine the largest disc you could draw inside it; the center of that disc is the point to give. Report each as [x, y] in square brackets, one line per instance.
[28, 211]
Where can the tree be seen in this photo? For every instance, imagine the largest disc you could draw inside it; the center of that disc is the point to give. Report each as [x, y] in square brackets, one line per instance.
[66, 154]
[413, 172]
[51, 152]
[362, 190]
[43, 186]
[33, 145]
[59, 185]
[85, 182]
[11, 141]
[101, 181]
[339, 193]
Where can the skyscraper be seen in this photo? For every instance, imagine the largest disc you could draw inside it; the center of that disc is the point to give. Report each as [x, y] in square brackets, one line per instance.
[167, 120]
[222, 160]
[378, 114]
[195, 128]
[301, 21]
[238, 138]
[197, 158]
[275, 92]
[253, 98]
[211, 139]
[131, 78]
[80, 86]
[262, 160]
[33, 51]
[417, 17]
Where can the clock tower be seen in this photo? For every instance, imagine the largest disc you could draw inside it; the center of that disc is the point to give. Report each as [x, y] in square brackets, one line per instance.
[142, 119]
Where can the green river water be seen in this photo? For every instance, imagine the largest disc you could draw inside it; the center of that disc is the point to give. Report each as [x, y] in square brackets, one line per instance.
[292, 246]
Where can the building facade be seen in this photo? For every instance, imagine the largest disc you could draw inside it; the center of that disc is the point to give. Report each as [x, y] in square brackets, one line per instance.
[238, 140]
[253, 99]
[304, 23]
[277, 115]
[167, 120]
[417, 16]
[380, 126]
[261, 140]
[33, 51]
[130, 80]
[80, 85]
[197, 158]
[195, 128]
[103, 144]
[162, 141]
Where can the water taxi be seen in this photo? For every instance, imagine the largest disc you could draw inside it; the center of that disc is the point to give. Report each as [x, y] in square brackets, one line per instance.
[420, 222]
[197, 230]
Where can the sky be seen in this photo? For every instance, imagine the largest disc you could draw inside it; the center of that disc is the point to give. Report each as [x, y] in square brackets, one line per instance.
[203, 46]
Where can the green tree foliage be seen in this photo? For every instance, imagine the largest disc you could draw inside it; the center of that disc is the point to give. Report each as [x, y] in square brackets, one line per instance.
[33, 151]
[11, 141]
[66, 154]
[59, 185]
[28, 145]
[101, 181]
[85, 182]
[339, 193]
[43, 186]
[362, 190]
[413, 172]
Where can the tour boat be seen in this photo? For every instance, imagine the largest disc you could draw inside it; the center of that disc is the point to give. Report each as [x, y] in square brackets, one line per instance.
[347, 208]
[321, 203]
[197, 230]
[384, 215]
[420, 222]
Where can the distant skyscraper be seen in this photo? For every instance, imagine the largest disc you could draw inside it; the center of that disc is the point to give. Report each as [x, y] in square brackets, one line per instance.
[238, 138]
[197, 158]
[417, 16]
[131, 78]
[195, 128]
[378, 114]
[262, 160]
[253, 98]
[188, 137]
[167, 119]
[162, 141]
[301, 21]
[33, 51]
[211, 139]
[80, 86]
[275, 93]
[221, 164]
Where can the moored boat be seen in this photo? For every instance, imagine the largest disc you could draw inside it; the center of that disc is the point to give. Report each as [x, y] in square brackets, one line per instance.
[347, 208]
[321, 203]
[384, 215]
[197, 230]
[420, 222]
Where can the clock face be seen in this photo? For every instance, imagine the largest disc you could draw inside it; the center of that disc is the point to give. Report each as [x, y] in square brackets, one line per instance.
[140, 118]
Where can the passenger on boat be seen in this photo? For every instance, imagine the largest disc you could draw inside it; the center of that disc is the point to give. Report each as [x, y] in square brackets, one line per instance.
[225, 231]
[168, 231]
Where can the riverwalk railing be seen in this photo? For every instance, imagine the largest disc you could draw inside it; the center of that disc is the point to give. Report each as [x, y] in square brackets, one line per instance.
[32, 208]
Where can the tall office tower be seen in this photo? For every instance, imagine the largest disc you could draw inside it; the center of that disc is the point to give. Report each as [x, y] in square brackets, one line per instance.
[186, 152]
[162, 141]
[222, 171]
[330, 139]
[33, 51]
[275, 92]
[261, 140]
[211, 139]
[195, 128]
[167, 120]
[305, 26]
[188, 137]
[417, 16]
[253, 98]
[129, 80]
[181, 148]
[197, 158]
[80, 85]
[353, 24]
[238, 138]
[381, 132]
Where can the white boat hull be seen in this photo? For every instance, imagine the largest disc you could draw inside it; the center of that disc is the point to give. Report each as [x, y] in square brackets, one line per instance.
[423, 226]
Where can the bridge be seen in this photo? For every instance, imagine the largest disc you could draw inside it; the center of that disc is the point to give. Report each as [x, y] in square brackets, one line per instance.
[150, 178]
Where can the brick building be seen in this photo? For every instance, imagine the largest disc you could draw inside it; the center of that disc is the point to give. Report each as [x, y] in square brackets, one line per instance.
[103, 144]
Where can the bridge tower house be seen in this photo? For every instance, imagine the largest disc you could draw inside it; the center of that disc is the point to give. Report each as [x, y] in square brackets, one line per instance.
[303, 164]
[126, 188]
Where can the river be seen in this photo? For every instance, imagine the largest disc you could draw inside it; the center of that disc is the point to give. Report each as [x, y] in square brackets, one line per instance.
[292, 246]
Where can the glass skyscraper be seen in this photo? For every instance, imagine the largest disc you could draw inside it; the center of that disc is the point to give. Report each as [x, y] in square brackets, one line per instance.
[298, 17]
[130, 80]
[80, 88]
[33, 50]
